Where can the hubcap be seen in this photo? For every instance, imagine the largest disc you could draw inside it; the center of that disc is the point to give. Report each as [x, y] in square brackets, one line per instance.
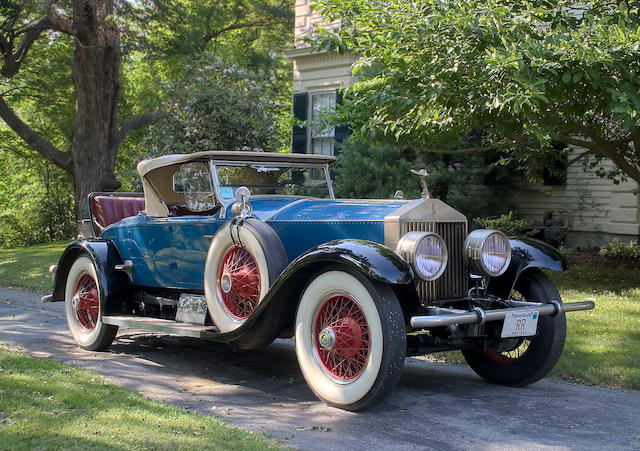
[342, 338]
[327, 338]
[239, 282]
[225, 283]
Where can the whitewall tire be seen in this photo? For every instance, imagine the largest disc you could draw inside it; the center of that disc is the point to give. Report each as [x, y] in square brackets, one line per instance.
[240, 270]
[84, 304]
[350, 339]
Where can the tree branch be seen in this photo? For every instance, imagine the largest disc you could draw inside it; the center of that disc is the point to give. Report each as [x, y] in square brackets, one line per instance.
[575, 142]
[214, 34]
[467, 150]
[136, 122]
[13, 60]
[58, 22]
[37, 142]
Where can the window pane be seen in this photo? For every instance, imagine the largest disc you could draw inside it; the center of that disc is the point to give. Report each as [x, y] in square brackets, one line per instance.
[319, 103]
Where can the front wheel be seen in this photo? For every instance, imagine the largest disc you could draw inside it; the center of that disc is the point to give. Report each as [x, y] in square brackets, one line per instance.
[523, 361]
[350, 339]
[83, 305]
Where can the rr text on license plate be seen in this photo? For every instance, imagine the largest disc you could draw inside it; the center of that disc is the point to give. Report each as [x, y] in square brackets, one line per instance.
[520, 324]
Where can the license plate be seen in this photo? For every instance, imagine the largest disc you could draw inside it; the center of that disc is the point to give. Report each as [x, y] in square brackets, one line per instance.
[520, 324]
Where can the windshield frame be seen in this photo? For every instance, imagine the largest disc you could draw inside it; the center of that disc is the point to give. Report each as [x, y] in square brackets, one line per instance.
[214, 164]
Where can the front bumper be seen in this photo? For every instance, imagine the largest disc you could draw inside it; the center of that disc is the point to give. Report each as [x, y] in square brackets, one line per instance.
[438, 317]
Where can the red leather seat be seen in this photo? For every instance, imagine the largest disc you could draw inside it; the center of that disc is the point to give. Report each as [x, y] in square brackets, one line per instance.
[107, 209]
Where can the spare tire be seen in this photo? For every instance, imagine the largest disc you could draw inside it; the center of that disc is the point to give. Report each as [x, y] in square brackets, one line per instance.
[244, 260]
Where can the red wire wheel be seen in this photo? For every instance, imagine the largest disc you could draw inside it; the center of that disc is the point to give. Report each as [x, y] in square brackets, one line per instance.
[239, 282]
[341, 338]
[511, 356]
[86, 302]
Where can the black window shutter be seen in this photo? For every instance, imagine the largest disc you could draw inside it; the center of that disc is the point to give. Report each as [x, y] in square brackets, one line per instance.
[342, 132]
[299, 134]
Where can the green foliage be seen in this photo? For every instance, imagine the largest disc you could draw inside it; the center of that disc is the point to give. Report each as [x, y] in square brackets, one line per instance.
[217, 106]
[26, 268]
[524, 74]
[619, 249]
[472, 183]
[508, 224]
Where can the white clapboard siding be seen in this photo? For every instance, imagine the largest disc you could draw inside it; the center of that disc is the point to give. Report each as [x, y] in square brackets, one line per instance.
[594, 204]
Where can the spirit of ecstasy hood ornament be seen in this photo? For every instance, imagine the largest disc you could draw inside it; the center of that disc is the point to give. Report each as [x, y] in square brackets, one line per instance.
[423, 174]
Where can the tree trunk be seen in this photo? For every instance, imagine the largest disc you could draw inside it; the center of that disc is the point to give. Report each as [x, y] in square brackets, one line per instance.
[96, 76]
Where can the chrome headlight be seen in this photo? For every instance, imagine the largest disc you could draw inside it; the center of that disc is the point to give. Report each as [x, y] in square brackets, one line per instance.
[426, 252]
[487, 252]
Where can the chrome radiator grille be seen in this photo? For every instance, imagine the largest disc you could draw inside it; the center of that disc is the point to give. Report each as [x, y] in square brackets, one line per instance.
[454, 281]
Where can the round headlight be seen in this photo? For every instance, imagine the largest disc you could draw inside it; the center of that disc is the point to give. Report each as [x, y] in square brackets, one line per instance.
[487, 252]
[426, 252]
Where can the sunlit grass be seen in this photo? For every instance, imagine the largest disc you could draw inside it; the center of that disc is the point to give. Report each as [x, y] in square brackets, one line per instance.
[46, 405]
[603, 345]
[28, 267]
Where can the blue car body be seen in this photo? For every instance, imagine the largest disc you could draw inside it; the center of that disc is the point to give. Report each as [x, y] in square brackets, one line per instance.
[171, 252]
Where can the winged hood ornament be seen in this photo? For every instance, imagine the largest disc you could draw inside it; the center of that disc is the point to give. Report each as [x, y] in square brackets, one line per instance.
[423, 174]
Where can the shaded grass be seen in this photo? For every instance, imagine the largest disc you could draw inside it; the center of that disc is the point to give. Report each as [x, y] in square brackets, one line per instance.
[47, 405]
[28, 267]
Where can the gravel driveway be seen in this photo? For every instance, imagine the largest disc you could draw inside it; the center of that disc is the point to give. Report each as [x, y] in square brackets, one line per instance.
[436, 406]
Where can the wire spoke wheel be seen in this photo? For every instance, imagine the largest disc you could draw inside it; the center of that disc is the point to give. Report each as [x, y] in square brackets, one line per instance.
[341, 338]
[350, 338]
[239, 282]
[521, 361]
[86, 302]
[512, 349]
[84, 305]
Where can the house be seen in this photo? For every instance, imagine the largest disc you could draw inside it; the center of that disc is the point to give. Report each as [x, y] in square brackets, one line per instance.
[587, 209]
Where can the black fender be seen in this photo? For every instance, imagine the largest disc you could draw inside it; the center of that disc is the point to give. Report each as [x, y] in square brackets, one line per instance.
[105, 257]
[276, 312]
[526, 253]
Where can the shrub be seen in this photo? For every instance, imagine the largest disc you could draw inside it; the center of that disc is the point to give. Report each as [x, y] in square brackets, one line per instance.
[619, 249]
[508, 224]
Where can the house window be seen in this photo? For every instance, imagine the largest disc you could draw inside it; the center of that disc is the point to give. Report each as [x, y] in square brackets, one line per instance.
[322, 140]
[308, 107]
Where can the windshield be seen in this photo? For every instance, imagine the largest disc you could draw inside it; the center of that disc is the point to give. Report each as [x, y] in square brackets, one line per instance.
[272, 179]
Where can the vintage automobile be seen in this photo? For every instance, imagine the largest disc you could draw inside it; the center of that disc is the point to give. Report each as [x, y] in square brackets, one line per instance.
[246, 247]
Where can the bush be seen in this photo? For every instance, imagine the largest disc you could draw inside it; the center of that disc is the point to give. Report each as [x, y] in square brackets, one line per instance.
[42, 219]
[619, 249]
[508, 224]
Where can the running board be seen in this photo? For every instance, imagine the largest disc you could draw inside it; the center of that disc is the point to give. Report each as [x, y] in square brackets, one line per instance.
[445, 317]
[163, 326]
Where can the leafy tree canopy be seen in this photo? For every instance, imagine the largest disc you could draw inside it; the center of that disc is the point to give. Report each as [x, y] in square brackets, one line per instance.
[526, 74]
[217, 106]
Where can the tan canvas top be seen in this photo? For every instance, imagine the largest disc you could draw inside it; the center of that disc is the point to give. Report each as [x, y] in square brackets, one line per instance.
[229, 155]
[157, 173]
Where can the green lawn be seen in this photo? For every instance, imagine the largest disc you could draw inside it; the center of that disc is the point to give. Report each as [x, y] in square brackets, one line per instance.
[45, 405]
[28, 267]
[603, 345]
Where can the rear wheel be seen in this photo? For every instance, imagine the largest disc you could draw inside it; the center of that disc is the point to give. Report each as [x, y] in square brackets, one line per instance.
[83, 305]
[525, 360]
[350, 339]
